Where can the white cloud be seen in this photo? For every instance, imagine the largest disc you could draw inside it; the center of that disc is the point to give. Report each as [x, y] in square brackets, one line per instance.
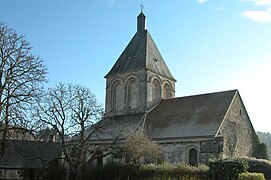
[202, 1]
[263, 2]
[259, 16]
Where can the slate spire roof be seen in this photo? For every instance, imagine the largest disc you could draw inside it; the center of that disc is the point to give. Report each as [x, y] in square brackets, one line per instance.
[141, 54]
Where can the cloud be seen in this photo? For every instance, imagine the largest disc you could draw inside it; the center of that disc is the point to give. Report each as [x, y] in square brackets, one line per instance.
[259, 16]
[263, 2]
[202, 1]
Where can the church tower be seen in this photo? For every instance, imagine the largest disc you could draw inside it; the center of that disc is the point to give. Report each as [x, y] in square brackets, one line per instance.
[140, 77]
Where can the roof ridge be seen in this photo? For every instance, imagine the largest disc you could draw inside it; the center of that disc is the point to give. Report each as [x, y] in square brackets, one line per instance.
[204, 94]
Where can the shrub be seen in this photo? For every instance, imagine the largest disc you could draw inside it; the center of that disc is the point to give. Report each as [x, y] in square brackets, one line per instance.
[173, 171]
[55, 170]
[111, 171]
[259, 166]
[251, 176]
[146, 171]
[224, 169]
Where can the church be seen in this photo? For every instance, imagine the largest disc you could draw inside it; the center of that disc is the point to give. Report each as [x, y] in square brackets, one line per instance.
[140, 95]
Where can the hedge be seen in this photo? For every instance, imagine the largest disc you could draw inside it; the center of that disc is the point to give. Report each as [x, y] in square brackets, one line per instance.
[251, 176]
[174, 171]
[225, 169]
[147, 171]
[259, 166]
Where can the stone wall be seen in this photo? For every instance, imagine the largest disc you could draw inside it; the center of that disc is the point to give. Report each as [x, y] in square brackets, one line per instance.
[178, 151]
[135, 92]
[237, 130]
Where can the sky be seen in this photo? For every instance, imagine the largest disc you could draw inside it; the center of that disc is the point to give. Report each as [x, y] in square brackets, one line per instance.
[208, 45]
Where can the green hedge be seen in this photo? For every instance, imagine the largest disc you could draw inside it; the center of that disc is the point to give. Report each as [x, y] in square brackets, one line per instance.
[224, 169]
[251, 176]
[148, 171]
[259, 166]
[173, 171]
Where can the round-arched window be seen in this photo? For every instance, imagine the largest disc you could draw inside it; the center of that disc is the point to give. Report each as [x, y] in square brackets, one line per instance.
[193, 157]
[156, 90]
[117, 96]
[132, 94]
[166, 91]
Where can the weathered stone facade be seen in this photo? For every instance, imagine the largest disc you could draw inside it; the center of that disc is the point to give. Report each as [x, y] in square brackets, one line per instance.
[177, 151]
[135, 93]
[237, 130]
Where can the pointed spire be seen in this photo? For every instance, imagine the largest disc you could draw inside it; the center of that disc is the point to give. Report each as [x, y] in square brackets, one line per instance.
[141, 24]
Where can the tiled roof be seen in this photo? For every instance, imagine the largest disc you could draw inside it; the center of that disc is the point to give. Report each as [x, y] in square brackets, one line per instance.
[191, 116]
[199, 115]
[19, 154]
[112, 127]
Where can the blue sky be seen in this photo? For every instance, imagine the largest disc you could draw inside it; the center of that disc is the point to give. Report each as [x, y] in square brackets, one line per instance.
[209, 46]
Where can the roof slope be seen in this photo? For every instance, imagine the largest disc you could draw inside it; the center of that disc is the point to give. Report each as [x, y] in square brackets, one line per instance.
[141, 54]
[19, 154]
[112, 127]
[199, 115]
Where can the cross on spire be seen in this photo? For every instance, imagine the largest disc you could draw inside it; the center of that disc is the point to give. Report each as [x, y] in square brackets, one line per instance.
[141, 6]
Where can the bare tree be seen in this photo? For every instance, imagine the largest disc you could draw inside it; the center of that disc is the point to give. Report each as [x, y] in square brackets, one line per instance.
[137, 147]
[21, 78]
[71, 110]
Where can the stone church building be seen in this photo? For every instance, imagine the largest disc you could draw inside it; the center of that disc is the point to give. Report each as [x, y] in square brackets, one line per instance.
[140, 95]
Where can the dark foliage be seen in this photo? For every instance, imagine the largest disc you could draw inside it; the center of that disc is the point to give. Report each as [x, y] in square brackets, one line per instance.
[151, 171]
[259, 149]
[265, 138]
[227, 169]
[259, 166]
[55, 171]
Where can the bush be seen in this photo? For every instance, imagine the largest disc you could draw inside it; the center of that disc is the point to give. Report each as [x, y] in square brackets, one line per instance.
[111, 171]
[259, 166]
[224, 169]
[251, 176]
[173, 171]
[55, 171]
[147, 171]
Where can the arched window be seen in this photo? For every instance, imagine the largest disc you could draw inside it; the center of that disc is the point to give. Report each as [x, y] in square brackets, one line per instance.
[117, 96]
[193, 157]
[156, 90]
[132, 94]
[166, 91]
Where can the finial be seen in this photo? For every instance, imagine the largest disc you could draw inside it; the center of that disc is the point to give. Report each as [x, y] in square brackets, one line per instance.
[141, 6]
